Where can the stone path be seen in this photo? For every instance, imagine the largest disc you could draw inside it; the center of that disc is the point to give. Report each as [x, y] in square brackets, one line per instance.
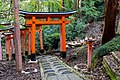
[54, 69]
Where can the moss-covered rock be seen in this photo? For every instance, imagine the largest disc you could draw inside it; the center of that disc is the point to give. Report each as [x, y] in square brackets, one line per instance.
[113, 45]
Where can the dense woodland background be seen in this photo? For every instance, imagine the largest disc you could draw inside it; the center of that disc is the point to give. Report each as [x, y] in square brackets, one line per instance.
[88, 11]
[94, 18]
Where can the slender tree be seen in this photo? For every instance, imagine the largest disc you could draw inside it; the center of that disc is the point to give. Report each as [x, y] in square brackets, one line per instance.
[48, 6]
[118, 29]
[110, 17]
[53, 6]
[75, 8]
[79, 8]
[63, 3]
[75, 4]
[17, 37]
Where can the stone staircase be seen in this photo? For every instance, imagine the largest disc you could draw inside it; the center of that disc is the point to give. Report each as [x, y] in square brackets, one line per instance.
[52, 68]
[112, 65]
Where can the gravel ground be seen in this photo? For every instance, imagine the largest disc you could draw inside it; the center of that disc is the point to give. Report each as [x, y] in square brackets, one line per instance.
[8, 71]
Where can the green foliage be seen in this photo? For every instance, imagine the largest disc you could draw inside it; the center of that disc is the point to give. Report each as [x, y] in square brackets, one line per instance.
[52, 40]
[1, 26]
[51, 36]
[113, 45]
[79, 29]
[6, 10]
[92, 10]
[48, 30]
[75, 30]
[34, 5]
[69, 32]
[89, 10]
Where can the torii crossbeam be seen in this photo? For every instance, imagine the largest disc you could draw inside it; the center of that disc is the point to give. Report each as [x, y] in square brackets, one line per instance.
[37, 19]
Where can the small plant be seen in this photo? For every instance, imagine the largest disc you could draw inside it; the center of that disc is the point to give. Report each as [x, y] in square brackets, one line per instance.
[1, 26]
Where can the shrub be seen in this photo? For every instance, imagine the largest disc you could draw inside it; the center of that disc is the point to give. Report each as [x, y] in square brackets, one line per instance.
[1, 26]
[75, 30]
[92, 10]
[52, 40]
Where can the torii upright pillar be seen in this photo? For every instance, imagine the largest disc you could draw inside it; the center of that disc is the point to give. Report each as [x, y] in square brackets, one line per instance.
[41, 41]
[33, 56]
[63, 38]
[23, 41]
[8, 42]
[29, 43]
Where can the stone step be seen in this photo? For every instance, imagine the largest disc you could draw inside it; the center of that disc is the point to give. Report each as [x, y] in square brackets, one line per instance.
[112, 67]
[116, 55]
[54, 69]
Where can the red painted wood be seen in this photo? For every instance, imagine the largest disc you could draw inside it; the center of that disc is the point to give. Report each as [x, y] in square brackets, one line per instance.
[0, 48]
[41, 42]
[89, 56]
[63, 36]
[33, 34]
[36, 19]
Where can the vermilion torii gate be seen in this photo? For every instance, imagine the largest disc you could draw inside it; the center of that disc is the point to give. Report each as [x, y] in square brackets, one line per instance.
[37, 19]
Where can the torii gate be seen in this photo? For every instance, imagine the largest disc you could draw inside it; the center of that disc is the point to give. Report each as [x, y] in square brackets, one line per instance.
[35, 19]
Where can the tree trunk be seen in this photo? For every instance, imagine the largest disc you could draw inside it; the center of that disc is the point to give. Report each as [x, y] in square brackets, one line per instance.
[49, 6]
[17, 37]
[63, 7]
[75, 8]
[75, 4]
[38, 6]
[118, 28]
[79, 8]
[110, 18]
[52, 6]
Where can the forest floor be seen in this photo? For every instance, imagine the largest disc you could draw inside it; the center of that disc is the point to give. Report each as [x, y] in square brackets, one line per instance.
[8, 71]
[8, 68]
[98, 72]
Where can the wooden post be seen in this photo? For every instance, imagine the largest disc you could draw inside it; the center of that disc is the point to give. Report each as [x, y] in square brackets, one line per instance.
[17, 37]
[63, 38]
[29, 43]
[12, 46]
[21, 34]
[33, 55]
[26, 42]
[7, 41]
[89, 57]
[23, 42]
[0, 47]
[41, 42]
